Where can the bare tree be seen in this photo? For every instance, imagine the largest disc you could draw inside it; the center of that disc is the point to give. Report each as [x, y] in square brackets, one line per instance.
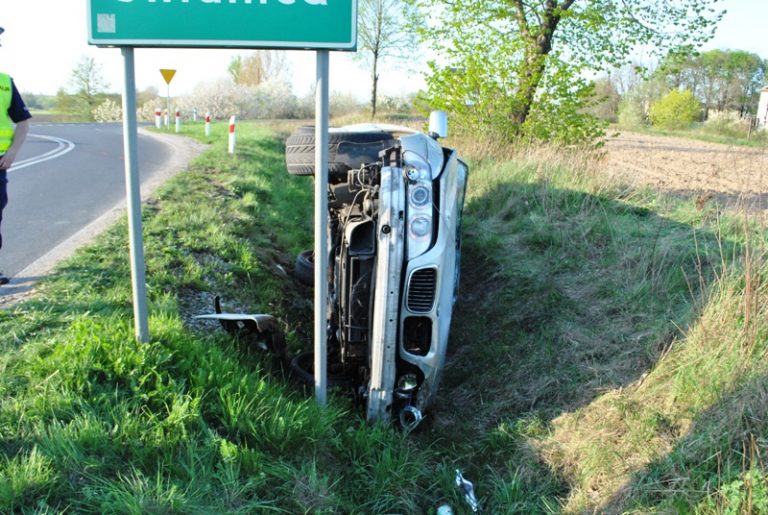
[382, 34]
[258, 67]
[625, 78]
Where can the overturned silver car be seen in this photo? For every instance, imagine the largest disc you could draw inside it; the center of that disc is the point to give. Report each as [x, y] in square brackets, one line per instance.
[395, 204]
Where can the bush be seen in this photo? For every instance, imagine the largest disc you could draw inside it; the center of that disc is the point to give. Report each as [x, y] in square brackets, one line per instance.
[146, 112]
[341, 104]
[606, 102]
[396, 104]
[108, 111]
[272, 99]
[727, 123]
[222, 98]
[631, 113]
[563, 111]
[676, 110]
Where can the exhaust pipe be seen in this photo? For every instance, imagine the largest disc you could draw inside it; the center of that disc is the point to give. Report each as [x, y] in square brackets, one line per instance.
[410, 417]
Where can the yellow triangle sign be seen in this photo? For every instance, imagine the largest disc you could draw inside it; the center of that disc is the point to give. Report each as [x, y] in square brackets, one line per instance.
[167, 75]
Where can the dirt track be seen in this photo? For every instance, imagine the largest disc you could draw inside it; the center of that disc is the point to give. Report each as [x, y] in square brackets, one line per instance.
[705, 171]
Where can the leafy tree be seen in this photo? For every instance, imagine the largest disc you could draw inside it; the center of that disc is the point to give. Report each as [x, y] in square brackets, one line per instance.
[146, 95]
[66, 103]
[724, 80]
[676, 110]
[381, 35]
[635, 105]
[259, 67]
[630, 114]
[517, 53]
[32, 100]
[87, 85]
[607, 102]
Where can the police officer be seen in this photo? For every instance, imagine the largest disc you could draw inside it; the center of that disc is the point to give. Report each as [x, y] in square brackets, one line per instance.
[12, 111]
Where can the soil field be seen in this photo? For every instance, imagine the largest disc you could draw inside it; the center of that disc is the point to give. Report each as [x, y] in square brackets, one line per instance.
[732, 176]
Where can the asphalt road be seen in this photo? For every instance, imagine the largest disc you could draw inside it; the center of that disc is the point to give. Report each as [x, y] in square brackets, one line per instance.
[66, 177]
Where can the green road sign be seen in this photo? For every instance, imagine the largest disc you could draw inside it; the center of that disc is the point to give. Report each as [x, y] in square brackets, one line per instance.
[297, 24]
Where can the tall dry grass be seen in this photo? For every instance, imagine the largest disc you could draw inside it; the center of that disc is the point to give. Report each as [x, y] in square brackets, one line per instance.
[653, 309]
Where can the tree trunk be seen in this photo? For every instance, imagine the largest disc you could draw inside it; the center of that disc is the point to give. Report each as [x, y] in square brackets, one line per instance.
[534, 70]
[539, 45]
[375, 81]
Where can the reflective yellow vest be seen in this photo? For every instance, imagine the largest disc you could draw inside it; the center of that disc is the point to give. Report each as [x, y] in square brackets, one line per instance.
[6, 125]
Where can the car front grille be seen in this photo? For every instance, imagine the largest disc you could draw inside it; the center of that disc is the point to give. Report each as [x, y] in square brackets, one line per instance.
[421, 290]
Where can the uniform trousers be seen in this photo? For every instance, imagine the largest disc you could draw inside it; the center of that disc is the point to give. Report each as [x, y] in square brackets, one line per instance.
[3, 198]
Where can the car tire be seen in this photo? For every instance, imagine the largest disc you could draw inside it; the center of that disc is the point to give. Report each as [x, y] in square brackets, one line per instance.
[347, 150]
[304, 270]
[302, 367]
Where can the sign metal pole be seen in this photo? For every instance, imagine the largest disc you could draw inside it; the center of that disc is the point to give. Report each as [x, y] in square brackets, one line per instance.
[168, 76]
[168, 105]
[320, 26]
[321, 224]
[133, 195]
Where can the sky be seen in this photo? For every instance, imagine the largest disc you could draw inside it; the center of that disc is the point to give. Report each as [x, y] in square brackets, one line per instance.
[44, 40]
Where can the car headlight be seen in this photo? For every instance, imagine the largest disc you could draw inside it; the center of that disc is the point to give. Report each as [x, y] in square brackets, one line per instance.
[420, 200]
[420, 227]
[420, 196]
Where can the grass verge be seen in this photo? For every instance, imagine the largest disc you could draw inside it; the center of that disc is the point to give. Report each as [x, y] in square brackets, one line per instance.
[607, 355]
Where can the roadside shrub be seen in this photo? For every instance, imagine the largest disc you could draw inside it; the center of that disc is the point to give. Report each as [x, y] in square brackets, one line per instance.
[269, 100]
[146, 112]
[222, 98]
[606, 101]
[563, 112]
[631, 113]
[635, 105]
[727, 123]
[272, 99]
[676, 110]
[563, 123]
[108, 111]
[341, 104]
[396, 104]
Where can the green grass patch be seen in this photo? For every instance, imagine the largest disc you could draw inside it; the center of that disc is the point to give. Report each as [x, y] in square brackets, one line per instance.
[606, 355]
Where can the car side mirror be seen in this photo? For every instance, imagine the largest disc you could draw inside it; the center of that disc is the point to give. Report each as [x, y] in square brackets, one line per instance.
[438, 124]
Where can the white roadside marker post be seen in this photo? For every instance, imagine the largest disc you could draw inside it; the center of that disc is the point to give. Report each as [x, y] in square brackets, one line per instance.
[158, 118]
[232, 135]
[178, 121]
[208, 123]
